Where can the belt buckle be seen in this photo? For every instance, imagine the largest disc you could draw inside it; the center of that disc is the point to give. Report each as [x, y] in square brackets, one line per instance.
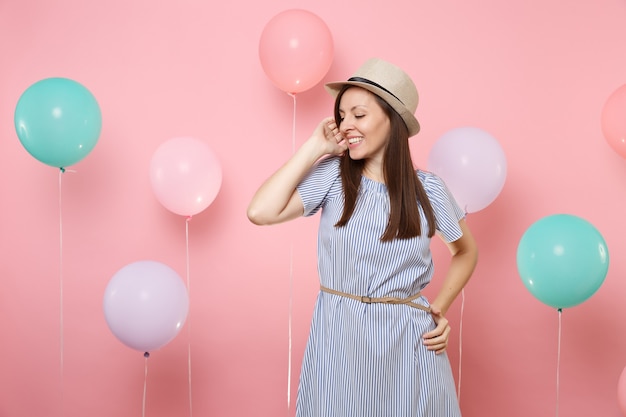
[365, 299]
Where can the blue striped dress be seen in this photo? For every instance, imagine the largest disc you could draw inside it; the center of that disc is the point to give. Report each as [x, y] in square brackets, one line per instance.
[368, 360]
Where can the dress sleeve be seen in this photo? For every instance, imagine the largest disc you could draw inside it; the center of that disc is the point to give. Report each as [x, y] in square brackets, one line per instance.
[320, 184]
[447, 211]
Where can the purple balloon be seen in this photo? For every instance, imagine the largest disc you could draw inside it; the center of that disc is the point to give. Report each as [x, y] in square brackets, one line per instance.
[145, 305]
[472, 164]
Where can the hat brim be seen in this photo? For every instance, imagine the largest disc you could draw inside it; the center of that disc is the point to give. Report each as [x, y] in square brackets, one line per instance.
[409, 118]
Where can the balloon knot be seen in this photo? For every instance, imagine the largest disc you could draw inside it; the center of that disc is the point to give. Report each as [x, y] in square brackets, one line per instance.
[560, 310]
[146, 355]
[62, 169]
[188, 218]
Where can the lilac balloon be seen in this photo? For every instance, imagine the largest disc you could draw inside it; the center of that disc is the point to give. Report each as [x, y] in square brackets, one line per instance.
[145, 305]
[472, 164]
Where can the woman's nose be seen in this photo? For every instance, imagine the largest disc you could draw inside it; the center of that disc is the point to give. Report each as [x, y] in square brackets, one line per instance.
[345, 125]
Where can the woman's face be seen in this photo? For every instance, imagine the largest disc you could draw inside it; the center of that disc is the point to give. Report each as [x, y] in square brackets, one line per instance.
[363, 124]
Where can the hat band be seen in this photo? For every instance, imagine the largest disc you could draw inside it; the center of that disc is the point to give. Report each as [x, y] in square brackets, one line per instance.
[366, 81]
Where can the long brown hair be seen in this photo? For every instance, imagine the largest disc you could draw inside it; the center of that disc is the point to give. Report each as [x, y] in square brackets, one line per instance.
[404, 188]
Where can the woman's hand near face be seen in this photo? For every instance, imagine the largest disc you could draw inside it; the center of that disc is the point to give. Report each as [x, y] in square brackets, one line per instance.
[329, 137]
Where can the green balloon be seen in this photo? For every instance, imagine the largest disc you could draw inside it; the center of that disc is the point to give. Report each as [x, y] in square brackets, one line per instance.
[562, 260]
[58, 121]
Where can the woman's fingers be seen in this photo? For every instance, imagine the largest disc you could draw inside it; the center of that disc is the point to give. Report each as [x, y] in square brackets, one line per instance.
[437, 339]
[333, 130]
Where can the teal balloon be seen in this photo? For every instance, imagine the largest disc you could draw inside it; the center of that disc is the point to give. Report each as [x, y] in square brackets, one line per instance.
[562, 260]
[58, 121]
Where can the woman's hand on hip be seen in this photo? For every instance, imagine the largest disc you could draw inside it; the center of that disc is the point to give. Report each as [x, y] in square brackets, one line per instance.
[437, 339]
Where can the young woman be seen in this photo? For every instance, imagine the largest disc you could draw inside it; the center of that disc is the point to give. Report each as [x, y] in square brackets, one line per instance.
[376, 346]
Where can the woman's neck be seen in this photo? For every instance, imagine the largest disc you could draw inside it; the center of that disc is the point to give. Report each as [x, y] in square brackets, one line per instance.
[374, 171]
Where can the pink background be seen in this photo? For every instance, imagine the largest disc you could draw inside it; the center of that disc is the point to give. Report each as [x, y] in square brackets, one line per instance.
[535, 74]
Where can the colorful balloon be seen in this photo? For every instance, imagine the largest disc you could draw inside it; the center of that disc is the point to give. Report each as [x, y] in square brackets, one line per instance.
[145, 305]
[296, 50]
[614, 121]
[472, 164]
[185, 175]
[58, 121]
[562, 260]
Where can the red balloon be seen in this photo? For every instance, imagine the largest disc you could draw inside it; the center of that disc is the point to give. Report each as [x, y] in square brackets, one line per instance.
[296, 50]
[614, 120]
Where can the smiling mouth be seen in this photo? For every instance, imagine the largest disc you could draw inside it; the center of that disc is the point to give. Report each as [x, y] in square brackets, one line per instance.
[352, 141]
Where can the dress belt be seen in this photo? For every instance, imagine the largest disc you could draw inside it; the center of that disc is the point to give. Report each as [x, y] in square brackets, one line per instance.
[386, 300]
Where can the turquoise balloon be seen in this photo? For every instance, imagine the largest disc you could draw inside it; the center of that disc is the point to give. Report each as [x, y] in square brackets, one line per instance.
[562, 260]
[58, 121]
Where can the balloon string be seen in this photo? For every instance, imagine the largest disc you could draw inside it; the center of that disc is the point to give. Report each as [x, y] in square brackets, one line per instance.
[458, 393]
[188, 318]
[146, 355]
[293, 125]
[461, 343]
[61, 337]
[290, 327]
[290, 314]
[558, 363]
[61, 302]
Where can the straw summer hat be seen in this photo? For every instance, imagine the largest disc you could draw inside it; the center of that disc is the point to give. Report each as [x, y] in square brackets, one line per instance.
[389, 83]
